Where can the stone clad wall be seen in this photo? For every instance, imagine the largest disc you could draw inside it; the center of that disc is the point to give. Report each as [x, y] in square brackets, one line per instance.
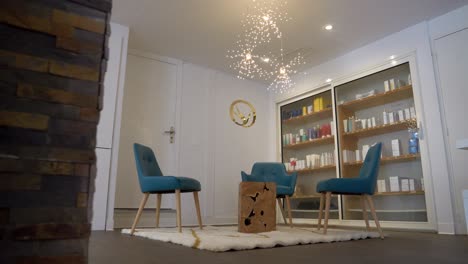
[52, 62]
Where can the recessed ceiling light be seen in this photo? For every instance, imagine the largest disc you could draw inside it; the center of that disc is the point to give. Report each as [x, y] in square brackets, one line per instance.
[392, 57]
[265, 59]
[328, 27]
[394, 62]
[328, 80]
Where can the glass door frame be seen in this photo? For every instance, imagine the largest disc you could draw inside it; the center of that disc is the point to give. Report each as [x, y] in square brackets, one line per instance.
[279, 153]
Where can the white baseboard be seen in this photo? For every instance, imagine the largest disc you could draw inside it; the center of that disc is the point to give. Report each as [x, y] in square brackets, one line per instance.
[123, 218]
[445, 228]
[220, 221]
[110, 225]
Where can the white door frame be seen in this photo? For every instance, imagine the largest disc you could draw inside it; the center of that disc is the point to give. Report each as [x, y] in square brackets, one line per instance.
[116, 130]
[118, 119]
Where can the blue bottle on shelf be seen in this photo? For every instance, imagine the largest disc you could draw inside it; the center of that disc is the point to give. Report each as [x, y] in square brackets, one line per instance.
[413, 143]
[310, 132]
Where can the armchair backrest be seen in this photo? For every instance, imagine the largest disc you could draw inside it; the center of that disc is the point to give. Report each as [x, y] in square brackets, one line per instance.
[370, 167]
[146, 162]
[270, 172]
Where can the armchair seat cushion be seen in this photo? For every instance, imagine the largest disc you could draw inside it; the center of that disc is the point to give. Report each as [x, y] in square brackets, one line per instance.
[364, 184]
[168, 184]
[352, 186]
[282, 190]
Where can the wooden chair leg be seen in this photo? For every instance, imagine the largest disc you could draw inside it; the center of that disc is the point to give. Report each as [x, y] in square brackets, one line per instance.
[288, 205]
[327, 212]
[374, 215]
[158, 208]
[197, 207]
[322, 203]
[178, 209]
[140, 210]
[364, 211]
[280, 205]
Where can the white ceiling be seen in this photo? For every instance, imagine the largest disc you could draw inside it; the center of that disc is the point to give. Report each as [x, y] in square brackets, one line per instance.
[201, 31]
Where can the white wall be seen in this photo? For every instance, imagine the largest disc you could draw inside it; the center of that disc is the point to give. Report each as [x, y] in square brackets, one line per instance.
[212, 148]
[448, 23]
[415, 40]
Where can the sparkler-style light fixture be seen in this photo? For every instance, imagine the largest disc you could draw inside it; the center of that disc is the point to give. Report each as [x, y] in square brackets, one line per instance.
[282, 81]
[254, 55]
[248, 62]
[262, 22]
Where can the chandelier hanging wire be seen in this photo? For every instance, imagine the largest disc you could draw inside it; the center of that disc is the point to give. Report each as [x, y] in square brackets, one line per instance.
[255, 55]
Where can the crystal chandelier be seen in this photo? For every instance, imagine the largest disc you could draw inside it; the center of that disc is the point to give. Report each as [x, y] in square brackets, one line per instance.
[255, 56]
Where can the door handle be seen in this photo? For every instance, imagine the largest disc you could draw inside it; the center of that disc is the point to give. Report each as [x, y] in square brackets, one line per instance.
[171, 133]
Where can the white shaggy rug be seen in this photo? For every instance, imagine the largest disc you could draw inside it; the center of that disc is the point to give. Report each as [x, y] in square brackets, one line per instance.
[224, 238]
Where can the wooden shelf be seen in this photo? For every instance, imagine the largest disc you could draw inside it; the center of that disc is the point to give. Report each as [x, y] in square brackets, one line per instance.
[323, 168]
[325, 113]
[310, 196]
[312, 211]
[398, 94]
[319, 141]
[387, 160]
[393, 211]
[377, 130]
[399, 193]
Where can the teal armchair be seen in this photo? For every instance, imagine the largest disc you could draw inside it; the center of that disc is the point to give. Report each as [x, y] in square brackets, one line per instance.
[364, 185]
[275, 172]
[152, 181]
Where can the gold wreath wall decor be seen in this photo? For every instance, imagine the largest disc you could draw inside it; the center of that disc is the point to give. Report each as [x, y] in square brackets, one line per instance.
[242, 113]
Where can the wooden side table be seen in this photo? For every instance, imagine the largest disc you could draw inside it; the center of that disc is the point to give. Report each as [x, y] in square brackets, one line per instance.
[257, 209]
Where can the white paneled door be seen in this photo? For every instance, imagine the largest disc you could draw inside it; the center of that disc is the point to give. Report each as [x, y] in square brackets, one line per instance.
[452, 63]
[149, 109]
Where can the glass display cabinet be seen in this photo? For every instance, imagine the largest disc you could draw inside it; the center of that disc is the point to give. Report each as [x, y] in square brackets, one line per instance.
[380, 108]
[308, 147]
[351, 117]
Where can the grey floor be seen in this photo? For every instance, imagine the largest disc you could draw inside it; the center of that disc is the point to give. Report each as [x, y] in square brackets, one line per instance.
[398, 247]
